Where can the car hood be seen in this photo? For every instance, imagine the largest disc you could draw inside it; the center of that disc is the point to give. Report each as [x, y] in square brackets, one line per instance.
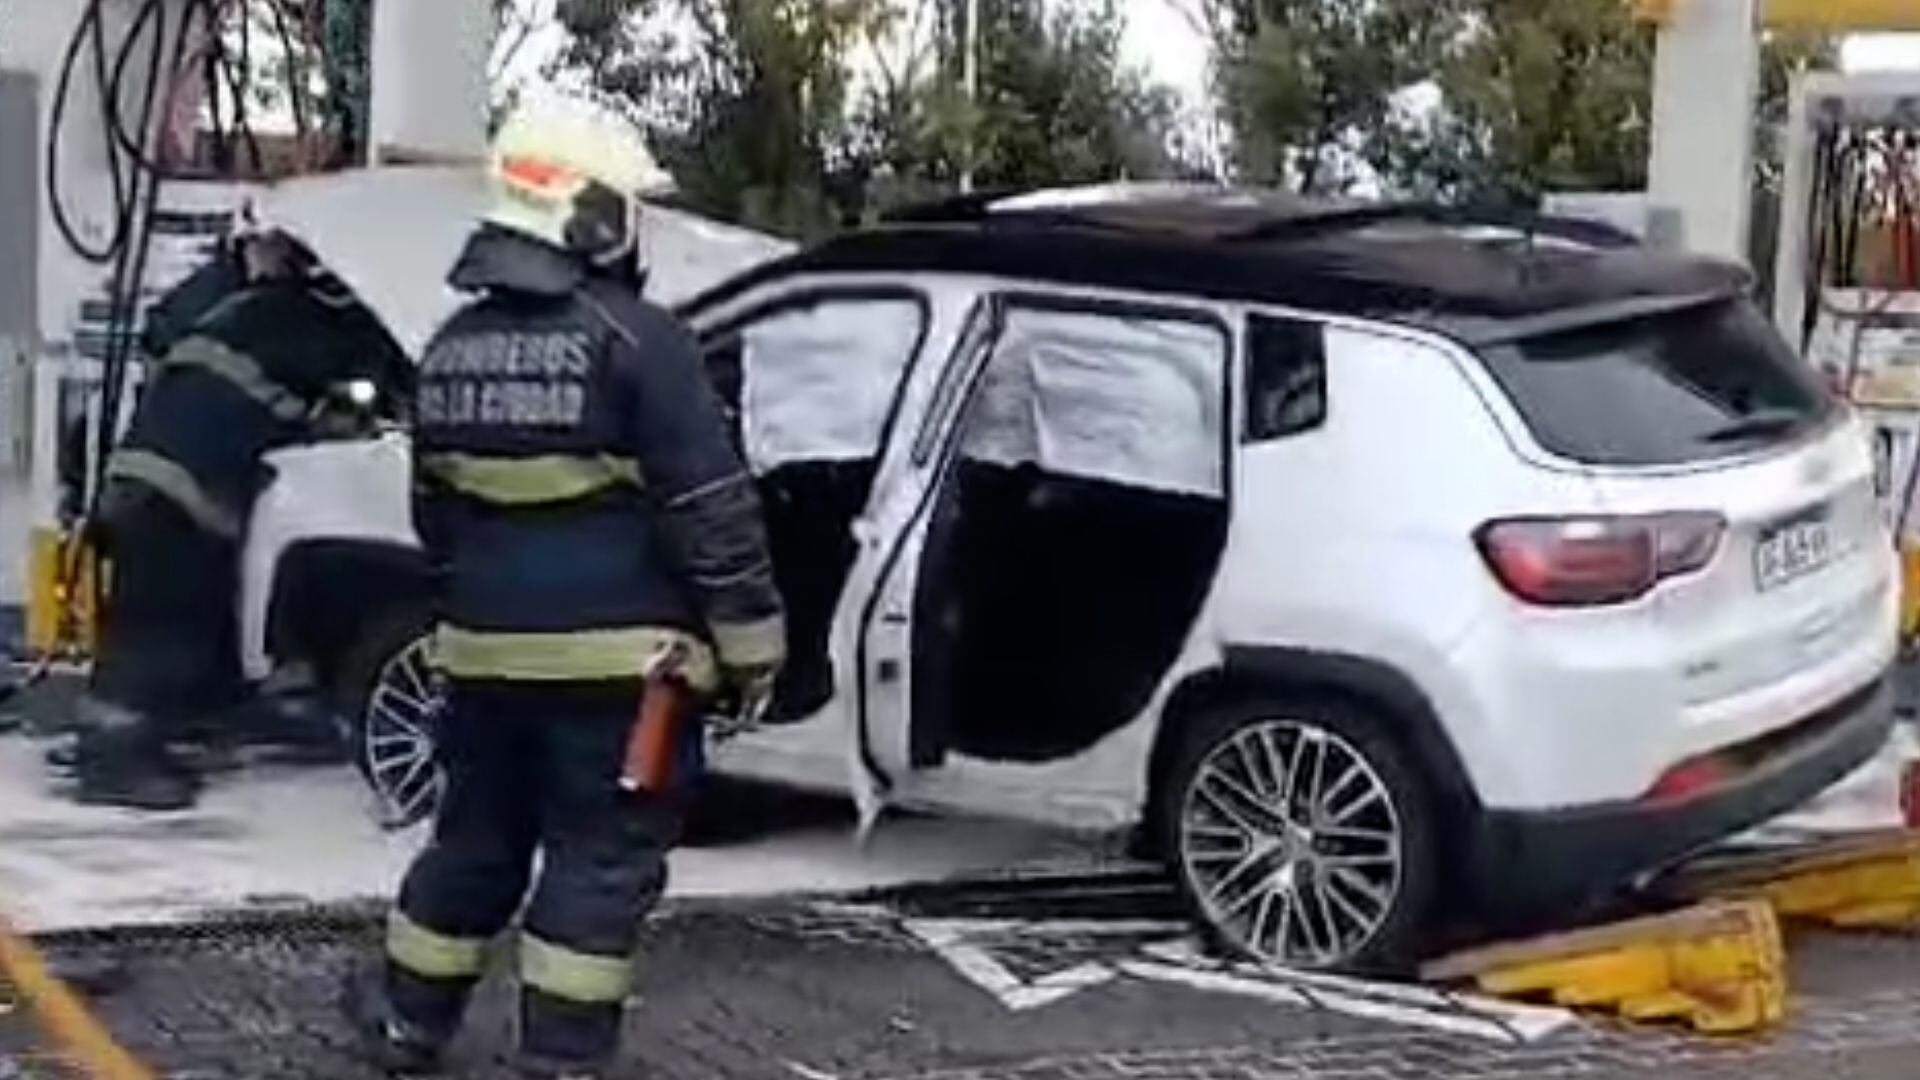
[392, 234]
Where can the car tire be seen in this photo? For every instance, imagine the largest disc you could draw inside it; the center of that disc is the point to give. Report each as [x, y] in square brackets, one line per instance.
[393, 703]
[1343, 880]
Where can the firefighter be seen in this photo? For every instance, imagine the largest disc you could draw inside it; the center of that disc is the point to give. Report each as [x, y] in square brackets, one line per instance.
[242, 373]
[578, 489]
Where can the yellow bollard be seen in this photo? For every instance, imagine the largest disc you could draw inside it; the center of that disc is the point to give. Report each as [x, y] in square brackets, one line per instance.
[1719, 967]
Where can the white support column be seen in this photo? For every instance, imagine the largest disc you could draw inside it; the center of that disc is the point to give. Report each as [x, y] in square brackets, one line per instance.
[430, 93]
[1706, 81]
[1796, 210]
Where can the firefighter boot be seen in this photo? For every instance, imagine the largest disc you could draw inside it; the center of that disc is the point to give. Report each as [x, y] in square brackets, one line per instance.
[130, 767]
[565, 1040]
[390, 1043]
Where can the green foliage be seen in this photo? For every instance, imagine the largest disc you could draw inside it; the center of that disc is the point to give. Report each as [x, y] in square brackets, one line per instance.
[1056, 103]
[1514, 97]
[1301, 83]
[1534, 97]
[804, 115]
[1543, 97]
[346, 46]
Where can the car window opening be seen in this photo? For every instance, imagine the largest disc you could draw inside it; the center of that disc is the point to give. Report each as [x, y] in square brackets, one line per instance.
[1075, 539]
[808, 390]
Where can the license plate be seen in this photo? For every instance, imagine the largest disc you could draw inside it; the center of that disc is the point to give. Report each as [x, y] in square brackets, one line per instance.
[1792, 549]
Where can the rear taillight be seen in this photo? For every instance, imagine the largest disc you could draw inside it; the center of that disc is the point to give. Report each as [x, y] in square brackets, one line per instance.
[1587, 561]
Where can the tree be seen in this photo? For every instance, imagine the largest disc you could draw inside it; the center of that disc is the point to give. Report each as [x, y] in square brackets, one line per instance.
[1056, 104]
[804, 115]
[747, 101]
[1300, 83]
[1542, 97]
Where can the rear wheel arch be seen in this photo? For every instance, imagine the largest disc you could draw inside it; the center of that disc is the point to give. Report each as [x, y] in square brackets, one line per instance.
[1253, 673]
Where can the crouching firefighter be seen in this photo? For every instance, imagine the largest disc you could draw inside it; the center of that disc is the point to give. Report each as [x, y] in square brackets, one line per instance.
[580, 494]
[247, 359]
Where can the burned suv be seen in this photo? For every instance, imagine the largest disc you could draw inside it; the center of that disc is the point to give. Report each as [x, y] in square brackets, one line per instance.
[1381, 561]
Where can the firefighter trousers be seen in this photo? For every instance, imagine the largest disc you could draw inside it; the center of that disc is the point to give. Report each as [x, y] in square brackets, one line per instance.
[167, 658]
[533, 770]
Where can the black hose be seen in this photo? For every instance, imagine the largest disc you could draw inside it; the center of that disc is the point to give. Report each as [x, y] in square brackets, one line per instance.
[91, 30]
[153, 15]
[130, 274]
[1853, 210]
[1819, 233]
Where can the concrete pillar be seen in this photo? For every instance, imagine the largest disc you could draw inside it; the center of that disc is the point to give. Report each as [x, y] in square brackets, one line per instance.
[32, 46]
[1796, 208]
[1706, 88]
[430, 91]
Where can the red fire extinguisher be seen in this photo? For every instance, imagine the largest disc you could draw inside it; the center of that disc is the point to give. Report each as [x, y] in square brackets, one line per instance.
[654, 743]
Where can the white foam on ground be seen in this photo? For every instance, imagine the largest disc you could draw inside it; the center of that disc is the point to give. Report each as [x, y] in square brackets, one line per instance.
[304, 836]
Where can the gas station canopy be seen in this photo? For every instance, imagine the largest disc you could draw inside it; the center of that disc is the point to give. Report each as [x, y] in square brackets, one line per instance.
[1891, 15]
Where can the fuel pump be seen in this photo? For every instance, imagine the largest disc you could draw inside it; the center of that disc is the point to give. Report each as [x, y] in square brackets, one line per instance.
[1848, 277]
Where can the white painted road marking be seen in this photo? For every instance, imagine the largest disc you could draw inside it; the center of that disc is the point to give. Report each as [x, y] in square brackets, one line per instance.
[1398, 1003]
[978, 966]
[967, 945]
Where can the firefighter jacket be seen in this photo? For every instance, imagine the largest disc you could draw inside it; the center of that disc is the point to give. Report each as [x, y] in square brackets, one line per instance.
[248, 377]
[577, 485]
[175, 314]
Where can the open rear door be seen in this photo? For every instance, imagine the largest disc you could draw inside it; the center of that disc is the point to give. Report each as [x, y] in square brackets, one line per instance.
[1048, 542]
[876, 616]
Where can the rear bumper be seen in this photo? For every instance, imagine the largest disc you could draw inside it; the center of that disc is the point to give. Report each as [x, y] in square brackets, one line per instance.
[1530, 863]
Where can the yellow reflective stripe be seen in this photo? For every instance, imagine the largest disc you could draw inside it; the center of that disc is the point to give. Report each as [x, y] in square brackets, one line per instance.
[575, 976]
[171, 479]
[431, 954]
[523, 481]
[571, 655]
[751, 644]
[240, 371]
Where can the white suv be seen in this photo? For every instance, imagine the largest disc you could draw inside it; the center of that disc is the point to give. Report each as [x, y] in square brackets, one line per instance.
[1387, 566]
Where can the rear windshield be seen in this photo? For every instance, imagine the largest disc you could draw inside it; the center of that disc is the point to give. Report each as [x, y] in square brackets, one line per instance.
[1705, 382]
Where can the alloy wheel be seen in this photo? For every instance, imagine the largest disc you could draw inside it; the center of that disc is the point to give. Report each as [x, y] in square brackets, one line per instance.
[1291, 842]
[402, 720]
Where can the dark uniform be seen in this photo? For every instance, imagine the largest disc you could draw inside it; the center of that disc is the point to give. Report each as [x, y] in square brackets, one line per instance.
[577, 487]
[248, 377]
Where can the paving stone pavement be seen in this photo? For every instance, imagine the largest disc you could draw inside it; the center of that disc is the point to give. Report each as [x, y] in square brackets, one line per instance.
[808, 992]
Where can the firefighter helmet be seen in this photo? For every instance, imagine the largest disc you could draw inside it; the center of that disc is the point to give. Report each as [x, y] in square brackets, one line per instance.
[572, 175]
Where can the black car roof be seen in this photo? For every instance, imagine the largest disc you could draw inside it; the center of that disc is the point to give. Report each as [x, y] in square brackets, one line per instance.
[1410, 263]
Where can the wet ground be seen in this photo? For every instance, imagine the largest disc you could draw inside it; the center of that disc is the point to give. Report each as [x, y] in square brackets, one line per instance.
[879, 991]
[276, 836]
[211, 945]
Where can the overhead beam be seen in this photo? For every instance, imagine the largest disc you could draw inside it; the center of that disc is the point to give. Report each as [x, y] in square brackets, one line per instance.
[1862, 15]
[1850, 15]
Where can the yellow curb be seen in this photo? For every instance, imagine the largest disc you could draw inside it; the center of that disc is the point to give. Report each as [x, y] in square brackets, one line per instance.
[60, 1013]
